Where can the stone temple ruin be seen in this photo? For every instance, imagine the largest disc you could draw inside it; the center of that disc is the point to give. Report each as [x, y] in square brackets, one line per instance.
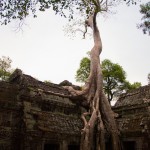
[39, 116]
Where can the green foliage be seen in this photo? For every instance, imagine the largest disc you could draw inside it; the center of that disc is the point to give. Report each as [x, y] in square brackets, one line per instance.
[128, 86]
[48, 82]
[20, 9]
[135, 85]
[114, 77]
[84, 70]
[145, 11]
[5, 65]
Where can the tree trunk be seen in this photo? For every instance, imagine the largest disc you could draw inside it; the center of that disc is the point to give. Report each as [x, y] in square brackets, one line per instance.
[99, 118]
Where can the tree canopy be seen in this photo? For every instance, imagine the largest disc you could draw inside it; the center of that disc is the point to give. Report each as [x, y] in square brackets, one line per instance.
[84, 70]
[114, 77]
[19, 9]
[145, 11]
[5, 68]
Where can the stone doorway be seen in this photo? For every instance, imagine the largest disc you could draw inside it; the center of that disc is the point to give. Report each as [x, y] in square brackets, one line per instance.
[51, 147]
[73, 147]
[129, 145]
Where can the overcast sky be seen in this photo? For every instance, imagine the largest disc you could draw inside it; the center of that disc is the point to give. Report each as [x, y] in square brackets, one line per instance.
[43, 51]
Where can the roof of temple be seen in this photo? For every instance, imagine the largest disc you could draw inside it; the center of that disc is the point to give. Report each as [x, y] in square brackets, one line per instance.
[45, 106]
[134, 97]
[133, 112]
[27, 81]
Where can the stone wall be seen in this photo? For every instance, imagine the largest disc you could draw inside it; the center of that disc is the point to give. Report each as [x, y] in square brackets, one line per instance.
[32, 118]
[40, 116]
[10, 116]
[134, 117]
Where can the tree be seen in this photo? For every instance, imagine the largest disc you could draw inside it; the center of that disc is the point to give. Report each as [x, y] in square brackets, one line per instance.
[98, 108]
[114, 77]
[100, 116]
[5, 66]
[145, 25]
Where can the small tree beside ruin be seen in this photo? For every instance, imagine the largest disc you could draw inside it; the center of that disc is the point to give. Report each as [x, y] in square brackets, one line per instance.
[5, 68]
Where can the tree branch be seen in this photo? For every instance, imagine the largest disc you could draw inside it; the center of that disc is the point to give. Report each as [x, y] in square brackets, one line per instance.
[85, 31]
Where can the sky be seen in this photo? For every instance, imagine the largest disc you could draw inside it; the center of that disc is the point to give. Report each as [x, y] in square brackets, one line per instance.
[43, 51]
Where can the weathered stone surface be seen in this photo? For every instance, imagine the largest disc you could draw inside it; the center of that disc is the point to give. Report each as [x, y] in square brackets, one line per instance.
[135, 97]
[36, 116]
[134, 116]
[33, 113]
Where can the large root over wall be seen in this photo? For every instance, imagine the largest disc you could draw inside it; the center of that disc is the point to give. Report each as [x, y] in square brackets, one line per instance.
[99, 116]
